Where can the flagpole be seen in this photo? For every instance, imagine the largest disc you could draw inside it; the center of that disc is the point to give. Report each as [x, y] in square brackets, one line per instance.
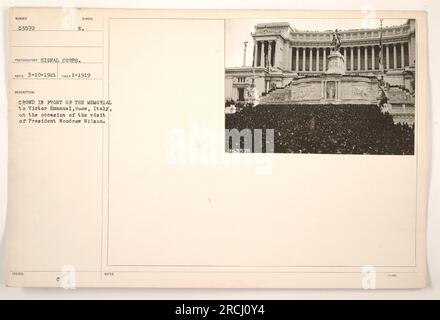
[244, 53]
[253, 58]
[381, 50]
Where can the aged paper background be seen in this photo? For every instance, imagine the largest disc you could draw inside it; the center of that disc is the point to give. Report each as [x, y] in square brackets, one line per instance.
[121, 204]
[130, 246]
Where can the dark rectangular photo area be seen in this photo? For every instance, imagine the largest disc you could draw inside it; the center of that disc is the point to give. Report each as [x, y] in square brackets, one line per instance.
[327, 86]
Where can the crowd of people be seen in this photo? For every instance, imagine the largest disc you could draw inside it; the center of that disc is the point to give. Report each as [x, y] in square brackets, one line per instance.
[327, 129]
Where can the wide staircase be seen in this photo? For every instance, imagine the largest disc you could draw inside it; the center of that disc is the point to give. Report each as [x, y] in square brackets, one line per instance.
[277, 95]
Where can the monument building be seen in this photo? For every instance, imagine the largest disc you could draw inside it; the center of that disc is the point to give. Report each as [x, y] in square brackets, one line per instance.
[329, 67]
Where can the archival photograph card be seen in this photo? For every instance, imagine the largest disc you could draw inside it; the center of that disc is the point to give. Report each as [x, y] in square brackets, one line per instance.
[216, 148]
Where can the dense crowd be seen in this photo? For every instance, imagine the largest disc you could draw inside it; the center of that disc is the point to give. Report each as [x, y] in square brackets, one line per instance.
[344, 129]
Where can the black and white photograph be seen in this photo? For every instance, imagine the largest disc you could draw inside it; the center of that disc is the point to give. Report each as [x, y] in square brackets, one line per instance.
[320, 86]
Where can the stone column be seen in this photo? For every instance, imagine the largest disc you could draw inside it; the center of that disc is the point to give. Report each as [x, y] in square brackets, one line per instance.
[359, 58]
[304, 59]
[255, 53]
[311, 59]
[324, 60]
[297, 59]
[260, 53]
[351, 59]
[373, 62]
[387, 53]
[263, 43]
[317, 59]
[258, 62]
[402, 55]
[269, 54]
[366, 57]
[394, 56]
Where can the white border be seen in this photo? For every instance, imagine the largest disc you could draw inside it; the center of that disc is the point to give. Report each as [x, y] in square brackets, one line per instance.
[433, 289]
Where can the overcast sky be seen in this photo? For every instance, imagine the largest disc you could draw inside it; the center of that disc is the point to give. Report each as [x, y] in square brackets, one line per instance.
[238, 31]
